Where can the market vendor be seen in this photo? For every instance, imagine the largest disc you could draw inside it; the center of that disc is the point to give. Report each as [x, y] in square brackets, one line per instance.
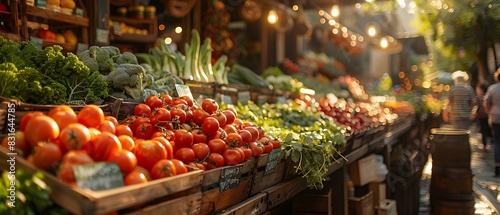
[461, 100]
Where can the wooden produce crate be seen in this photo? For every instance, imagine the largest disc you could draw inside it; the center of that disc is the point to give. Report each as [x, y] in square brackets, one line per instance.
[110, 107]
[256, 204]
[236, 93]
[126, 109]
[313, 202]
[226, 186]
[361, 205]
[180, 203]
[83, 201]
[269, 170]
[284, 191]
[201, 90]
[261, 95]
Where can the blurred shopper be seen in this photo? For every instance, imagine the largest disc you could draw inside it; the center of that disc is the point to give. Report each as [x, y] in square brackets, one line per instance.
[492, 103]
[480, 115]
[461, 99]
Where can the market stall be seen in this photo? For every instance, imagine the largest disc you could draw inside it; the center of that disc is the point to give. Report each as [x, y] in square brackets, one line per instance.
[127, 115]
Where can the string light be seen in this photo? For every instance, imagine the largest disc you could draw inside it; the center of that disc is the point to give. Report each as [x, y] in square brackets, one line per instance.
[331, 22]
[178, 29]
[335, 11]
[295, 7]
[372, 31]
[384, 43]
[272, 17]
[168, 40]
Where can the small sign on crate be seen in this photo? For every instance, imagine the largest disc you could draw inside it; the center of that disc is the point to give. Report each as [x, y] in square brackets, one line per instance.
[272, 161]
[98, 176]
[183, 90]
[230, 177]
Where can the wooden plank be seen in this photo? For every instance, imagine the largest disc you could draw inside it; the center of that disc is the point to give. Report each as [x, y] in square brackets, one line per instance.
[83, 201]
[214, 201]
[261, 181]
[190, 204]
[212, 176]
[341, 194]
[254, 205]
[56, 16]
[284, 191]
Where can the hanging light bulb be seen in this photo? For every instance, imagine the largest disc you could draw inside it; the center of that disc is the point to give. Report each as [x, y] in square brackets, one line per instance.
[372, 31]
[272, 17]
[384, 43]
[335, 11]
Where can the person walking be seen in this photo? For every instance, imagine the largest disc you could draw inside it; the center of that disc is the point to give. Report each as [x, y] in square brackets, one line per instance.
[461, 100]
[492, 104]
[481, 116]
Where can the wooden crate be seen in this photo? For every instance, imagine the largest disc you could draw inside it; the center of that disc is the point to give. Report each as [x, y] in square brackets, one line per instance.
[361, 205]
[256, 204]
[83, 201]
[313, 202]
[284, 191]
[201, 90]
[261, 180]
[110, 107]
[213, 200]
[176, 204]
[126, 109]
[261, 95]
[236, 92]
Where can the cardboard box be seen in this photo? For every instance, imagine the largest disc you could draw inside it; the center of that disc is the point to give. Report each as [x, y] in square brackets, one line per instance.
[387, 207]
[361, 205]
[379, 190]
[364, 171]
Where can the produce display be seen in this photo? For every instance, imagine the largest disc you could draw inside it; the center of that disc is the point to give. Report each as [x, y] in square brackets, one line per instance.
[281, 81]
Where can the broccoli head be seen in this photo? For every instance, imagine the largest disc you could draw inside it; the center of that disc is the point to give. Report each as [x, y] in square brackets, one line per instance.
[8, 79]
[130, 78]
[126, 58]
[97, 59]
[35, 87]
[113, 51]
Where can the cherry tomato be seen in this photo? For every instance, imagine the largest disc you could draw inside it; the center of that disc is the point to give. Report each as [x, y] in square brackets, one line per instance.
[210, 125]
[144, 131]
[215, 160]
[188, 100]
[137, 122]
[217, 145]
[179, 101]
[183, 139]
[154, 102]
[162, 169]
[167, 99]
[210, 105]
[142, 110]
[201, 151]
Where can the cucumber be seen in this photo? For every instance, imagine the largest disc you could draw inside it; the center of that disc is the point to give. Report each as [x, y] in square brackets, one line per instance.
[251, 77]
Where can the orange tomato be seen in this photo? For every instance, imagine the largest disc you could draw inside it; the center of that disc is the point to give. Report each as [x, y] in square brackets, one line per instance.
[71, 158]
[162, 169]
[149, 152]
[167, 145]
[91, 116]
[47, 157]
[125, 159]
[41, 128]
[108, 126]
[180, 167]
[143, 171]
[135, 178]
[124, 130]
[64, 118]
[27, 117]
[74, 136]
[102, 145]
[60, 108]
[94, 132]
[112, 119]
[127, 142]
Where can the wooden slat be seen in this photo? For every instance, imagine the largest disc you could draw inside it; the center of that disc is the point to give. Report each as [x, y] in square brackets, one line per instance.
[254, 205]
[190, 204]
[56, 16]
[284, 191]
[214, 201]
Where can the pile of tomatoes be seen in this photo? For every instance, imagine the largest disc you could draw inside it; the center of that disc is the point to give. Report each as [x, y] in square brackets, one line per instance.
[200, 135]
[162, 138]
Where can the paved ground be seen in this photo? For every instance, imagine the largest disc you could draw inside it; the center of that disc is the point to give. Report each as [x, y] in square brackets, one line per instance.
[486, 186]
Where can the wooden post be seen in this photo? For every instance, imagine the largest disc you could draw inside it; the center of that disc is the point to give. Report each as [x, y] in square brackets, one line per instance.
[340, 193]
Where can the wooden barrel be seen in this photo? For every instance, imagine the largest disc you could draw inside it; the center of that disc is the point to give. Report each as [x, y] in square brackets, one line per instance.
[454, 182]
[450, 148]
[447, 207]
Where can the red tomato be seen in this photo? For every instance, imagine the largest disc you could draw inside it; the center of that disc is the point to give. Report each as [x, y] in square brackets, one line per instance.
[154, 102]
[238, 123]
[254, 131]
[149, 152]
[27, 117]
[233, 140]
[108, 126]
[123, 130]
[232, 157]
[135, 178]
[246, 136]
[188, 100]
[210, 125]
[127, 142]
[215, 160]
[230, 116]
[178, 115]
[162, 169]
[199, 116]
[180, 167]
[142, 110]
[167, 145]
[189, 115]
[179, 101]
[91, 116]
[41, 128]
[221, 134]
[199, 136]
[256, 148]
[167, 99]
[210, 105]
[229, 129]
[242, 154]
[217, 145]
[186, 155]
[47, 157]
[64, 118]
[201, 151]
[160, 117]
[247, 151]
[102, 145]
[74, 136]
[137, 122]
[268, 147]
[221, 118]
[276, 143]
[144, 131]
[60, 108]
[183, 139]
[112, 119]
[261, 132]
[125, 159]
[232, 109]
[197, 165]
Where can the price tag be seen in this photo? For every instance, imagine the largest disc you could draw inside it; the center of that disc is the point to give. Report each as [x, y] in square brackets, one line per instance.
[281, 100]
[230, 177]
[98, 176]
[226, 99]
[243, 97]
[81, 47]
[117, 29]
[272, 161]
[102, 35]
[183, 90]
[37, 42]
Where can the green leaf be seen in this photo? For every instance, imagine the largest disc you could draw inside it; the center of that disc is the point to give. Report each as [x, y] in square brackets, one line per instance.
[297, 146]
[295, 156]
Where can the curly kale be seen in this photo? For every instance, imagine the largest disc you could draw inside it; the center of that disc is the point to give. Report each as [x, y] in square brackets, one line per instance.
[81, 83]
[35, 87]
[10, 52]
[8, 79]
